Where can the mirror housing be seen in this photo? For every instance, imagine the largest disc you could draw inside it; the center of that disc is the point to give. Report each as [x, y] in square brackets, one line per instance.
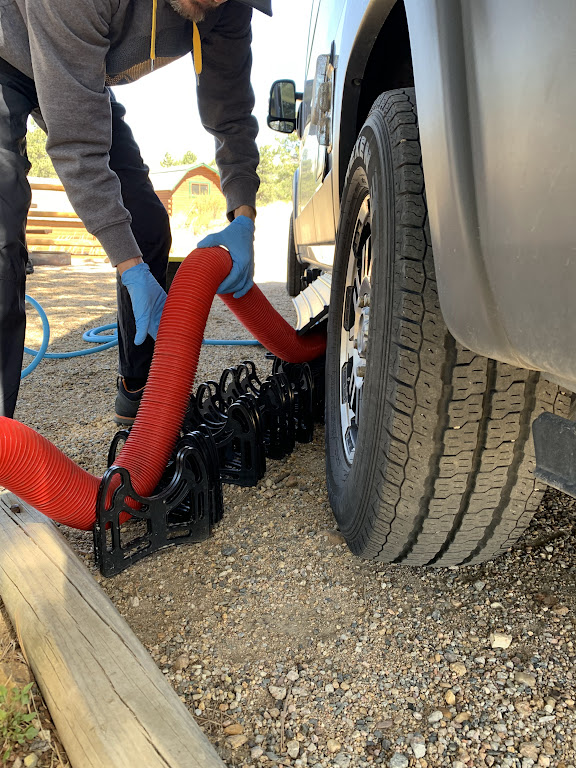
[282, 106]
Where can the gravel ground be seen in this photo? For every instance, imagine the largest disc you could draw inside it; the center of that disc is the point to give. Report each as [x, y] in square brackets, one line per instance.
[286, 648]
[44, 750]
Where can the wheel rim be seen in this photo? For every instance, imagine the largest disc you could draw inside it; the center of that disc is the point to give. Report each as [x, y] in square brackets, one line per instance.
[354, 329]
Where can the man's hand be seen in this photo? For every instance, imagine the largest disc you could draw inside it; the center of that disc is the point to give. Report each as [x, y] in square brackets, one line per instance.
[147, 297]
[238, 238]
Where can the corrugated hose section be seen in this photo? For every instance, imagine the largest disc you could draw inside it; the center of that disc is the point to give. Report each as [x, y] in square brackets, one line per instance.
[42, 476]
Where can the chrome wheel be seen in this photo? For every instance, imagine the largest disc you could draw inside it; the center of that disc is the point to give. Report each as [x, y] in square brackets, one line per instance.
[355, 330]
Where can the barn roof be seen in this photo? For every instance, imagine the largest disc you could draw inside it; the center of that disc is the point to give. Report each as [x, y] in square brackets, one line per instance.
[169, 179]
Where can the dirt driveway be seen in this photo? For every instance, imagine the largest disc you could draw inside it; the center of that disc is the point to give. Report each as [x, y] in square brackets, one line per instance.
[286, 648]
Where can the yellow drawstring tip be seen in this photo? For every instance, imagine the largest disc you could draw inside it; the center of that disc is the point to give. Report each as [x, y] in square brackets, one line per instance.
[153, 35]
[197, 52]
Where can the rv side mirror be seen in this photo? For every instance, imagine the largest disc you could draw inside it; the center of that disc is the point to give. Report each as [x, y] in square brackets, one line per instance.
[282, 106]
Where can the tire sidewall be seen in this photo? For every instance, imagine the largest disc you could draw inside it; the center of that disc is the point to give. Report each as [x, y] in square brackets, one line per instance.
[351, 487]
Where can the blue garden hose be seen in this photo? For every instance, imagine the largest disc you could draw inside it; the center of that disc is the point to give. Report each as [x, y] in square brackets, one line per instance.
[94, 335]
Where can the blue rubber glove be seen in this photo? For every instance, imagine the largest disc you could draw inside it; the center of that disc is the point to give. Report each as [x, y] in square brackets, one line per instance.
[147, 297]
[238, 238]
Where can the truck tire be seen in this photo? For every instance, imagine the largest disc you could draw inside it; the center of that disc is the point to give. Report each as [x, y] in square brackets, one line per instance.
[295, 270]
[429, 451]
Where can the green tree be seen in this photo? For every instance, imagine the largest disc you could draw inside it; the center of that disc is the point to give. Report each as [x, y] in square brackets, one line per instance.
[207, 211]
[189, 158]
[36, 149]
[278, 163]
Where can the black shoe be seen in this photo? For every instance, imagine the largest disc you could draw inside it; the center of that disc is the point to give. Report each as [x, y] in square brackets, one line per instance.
[29, 267]
[127, 403]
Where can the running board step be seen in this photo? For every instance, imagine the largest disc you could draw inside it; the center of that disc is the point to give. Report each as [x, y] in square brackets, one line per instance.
[311, 304]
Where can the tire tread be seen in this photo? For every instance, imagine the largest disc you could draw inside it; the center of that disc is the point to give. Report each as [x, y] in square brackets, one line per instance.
[455, 481]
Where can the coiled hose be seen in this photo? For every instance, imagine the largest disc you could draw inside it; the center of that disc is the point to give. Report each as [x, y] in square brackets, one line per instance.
[42, 476]
[95, 336]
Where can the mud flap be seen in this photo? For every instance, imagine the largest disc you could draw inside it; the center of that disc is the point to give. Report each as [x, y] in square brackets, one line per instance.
[555, 447]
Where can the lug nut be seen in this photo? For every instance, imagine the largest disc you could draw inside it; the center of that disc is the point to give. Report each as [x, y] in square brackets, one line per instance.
[364, 301]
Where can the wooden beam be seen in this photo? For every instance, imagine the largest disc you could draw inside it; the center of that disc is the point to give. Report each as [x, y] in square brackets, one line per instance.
[63, 241]
[57, 223]
[54, 214]
[109, 701]
[36, 231]
[88, 251]
[47, 187]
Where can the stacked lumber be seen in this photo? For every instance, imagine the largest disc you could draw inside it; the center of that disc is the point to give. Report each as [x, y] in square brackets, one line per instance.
[59, 230]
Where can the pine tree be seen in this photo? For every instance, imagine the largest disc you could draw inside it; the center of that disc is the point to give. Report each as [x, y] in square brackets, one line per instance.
[189, 158]
[278, 162]
[36, 150]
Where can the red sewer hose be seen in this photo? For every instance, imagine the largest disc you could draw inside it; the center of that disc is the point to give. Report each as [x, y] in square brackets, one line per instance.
[42, 476]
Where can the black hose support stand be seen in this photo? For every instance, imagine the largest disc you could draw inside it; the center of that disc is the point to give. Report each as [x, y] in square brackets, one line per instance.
[231, 427]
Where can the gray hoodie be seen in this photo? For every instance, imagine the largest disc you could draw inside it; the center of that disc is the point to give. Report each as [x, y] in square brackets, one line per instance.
[74, 50]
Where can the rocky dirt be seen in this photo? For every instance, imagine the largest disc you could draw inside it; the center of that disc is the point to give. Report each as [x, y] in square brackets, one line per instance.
[286, 648]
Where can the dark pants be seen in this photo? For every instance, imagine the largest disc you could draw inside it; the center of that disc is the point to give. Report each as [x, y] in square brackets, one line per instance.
[150, 225]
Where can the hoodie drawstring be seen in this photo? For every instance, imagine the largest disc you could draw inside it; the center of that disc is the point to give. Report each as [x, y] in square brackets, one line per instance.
[153, 35]
[197, 53]
[196, 43]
